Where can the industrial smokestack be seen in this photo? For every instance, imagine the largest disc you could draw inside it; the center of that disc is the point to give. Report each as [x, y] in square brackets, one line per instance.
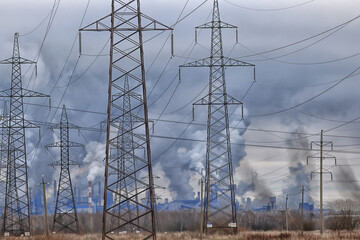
[90, 198]
[99, 189]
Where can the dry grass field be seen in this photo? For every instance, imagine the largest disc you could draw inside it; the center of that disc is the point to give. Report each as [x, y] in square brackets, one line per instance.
[193, 236]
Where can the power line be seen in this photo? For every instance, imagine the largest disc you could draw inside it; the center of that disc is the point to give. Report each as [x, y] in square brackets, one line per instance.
[58, 106]
[38, 26]
[194, 123]
[308, 100]
[303, 40]
[305, 47]
[270, 9]
[320, 118]
[253, 145]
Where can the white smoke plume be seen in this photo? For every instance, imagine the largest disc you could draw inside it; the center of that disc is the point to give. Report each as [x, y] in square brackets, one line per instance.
[94, 160]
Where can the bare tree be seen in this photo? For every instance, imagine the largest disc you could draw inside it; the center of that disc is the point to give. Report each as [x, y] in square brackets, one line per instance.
[344, 214]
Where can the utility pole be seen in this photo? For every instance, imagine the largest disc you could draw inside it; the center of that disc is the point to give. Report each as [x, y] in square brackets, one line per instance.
[65, 216]
[126, 24]
[219, 171]
[286, 214]
[302, 210]
[201, 182]
[321, 184]
[17, 209]
[322, 170]
[45, 206]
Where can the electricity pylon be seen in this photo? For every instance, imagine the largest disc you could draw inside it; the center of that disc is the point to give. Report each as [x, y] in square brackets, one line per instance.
[126, 25]
[17, 211]
[219, 206]
[124, 152]
[65, 217]
[321, 144]
[3, 155]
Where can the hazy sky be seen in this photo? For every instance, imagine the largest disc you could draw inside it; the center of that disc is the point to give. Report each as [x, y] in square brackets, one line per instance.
[306, 80]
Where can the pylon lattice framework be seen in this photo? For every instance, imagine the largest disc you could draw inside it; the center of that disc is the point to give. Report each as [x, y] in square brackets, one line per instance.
[17, 211]
[123, 155]
[65, 216]
[126, 24]
[219, 202]
[3, 155]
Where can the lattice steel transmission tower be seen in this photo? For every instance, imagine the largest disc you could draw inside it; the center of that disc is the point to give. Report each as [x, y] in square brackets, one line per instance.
[123, 155]
[65, 216]
[3, 155]
[17, 211]
[219, 202]
[126, 25]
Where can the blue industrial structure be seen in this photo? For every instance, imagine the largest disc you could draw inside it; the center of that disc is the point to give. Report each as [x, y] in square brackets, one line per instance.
[307, 207]
[82, 202]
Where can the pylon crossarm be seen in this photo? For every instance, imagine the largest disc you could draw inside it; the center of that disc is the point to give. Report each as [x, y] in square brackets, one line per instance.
[220, 24]
[25, 93]
[328, 143]
[326, 155]
[28, 124]
[95, 25]
[217, 62]
[74, 163]
[231, 62]
[325, 171]
[54, 164]
[70, 144]
[91, 27]
[155, 25]
[19, 60]
[69, 125]
[230, 101]
[5, 93]
[31, 93]
[205, 101]
[59, 163]
[150, 25]
[143, 16]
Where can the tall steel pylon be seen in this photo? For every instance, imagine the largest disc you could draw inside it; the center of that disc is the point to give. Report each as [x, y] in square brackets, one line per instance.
[219, 202]
[126, 162]
[17, 211]
[126, 24]
[3, 155]
[65, 216]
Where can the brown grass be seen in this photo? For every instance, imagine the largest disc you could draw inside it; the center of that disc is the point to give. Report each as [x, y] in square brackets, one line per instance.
[193, 236]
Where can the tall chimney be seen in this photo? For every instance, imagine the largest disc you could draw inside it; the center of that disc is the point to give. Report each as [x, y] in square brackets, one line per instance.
[90, 199]
[99, 189]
